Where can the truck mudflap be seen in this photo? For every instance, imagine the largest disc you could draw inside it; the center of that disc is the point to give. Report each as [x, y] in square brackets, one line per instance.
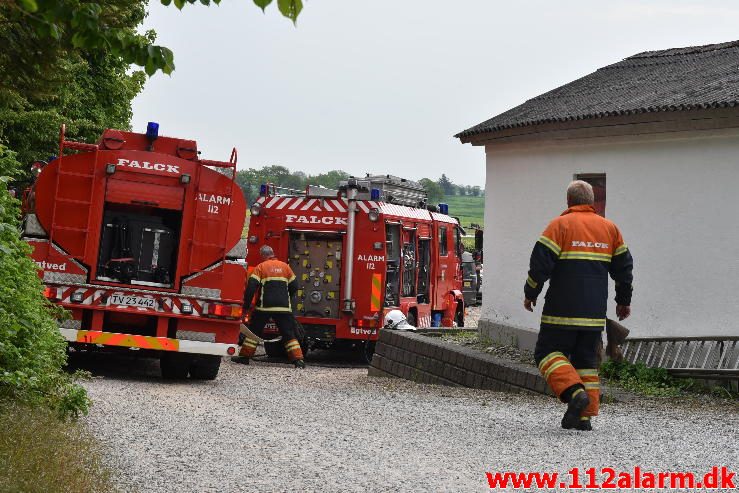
[148, 342]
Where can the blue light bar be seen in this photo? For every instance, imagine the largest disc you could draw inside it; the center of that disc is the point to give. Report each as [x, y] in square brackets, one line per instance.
[263, 189]
[152, 130]
[375, 194]
[444, 208]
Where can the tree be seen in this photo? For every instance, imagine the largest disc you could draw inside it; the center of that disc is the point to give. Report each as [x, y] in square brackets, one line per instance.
[476, 191]
[446, 185]
[330, 179]
[433, 190]
[96, 27]
[43, 85]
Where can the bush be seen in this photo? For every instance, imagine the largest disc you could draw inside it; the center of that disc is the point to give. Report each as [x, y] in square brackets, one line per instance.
[40, 453]
[32, 352]
[645, 380]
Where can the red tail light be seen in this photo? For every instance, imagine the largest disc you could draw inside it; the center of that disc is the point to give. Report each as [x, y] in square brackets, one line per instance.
[50, 293]
[228, 311]
[373, 323]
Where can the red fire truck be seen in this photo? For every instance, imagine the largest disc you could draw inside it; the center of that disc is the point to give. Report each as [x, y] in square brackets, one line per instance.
[360, 251]
[140, 240]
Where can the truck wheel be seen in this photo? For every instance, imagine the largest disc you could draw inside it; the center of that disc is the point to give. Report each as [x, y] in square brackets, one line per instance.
[411, 318]
[205, 367]
[460, 318]
[174, 366]
[275, 349]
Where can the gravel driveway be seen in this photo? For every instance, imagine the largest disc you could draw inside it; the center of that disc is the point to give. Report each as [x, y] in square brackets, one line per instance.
[268, 427]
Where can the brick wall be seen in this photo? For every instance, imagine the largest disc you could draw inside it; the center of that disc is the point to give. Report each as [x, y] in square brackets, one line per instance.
[427, 359]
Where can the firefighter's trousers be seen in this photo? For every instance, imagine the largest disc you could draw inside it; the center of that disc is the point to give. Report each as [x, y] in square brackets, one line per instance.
[285, 322]
[568, 359]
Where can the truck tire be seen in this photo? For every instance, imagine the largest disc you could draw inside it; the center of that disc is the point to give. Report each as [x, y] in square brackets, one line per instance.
[459, 318]
[411, 318]
[205, 367]
[174, 366]
[274, 349]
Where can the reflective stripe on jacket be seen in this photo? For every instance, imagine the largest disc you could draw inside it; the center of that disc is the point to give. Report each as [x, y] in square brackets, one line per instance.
[576, 253]
[275, 283]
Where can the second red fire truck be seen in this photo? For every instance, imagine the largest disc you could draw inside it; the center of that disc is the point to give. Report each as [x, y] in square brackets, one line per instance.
[370, 246]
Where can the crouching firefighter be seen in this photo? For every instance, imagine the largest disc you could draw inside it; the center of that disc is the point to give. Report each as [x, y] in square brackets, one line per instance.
[576, 253]
[274, 284]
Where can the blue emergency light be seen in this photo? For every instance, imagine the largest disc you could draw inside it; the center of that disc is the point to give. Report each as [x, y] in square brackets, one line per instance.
[444, 208]
[263, 189]
[375, 194]
[152, 130]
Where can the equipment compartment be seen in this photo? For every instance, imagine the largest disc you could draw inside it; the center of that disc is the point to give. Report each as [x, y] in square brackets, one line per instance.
[315, 258]
[138, 248]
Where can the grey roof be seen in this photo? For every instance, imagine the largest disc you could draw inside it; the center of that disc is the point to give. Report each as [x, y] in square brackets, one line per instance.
[666, 80]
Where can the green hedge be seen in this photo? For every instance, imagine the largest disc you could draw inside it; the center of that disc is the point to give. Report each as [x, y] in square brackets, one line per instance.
[32, 352]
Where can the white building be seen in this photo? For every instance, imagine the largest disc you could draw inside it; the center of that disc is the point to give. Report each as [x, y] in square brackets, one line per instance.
[658, 134]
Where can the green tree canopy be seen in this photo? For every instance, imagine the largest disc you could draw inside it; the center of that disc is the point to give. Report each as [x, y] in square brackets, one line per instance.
[446, 185]
[102, 27]
[433, 190]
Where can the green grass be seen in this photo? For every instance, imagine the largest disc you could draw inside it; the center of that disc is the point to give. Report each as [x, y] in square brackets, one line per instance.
[638, 378]
[41, 453]
[467, 209]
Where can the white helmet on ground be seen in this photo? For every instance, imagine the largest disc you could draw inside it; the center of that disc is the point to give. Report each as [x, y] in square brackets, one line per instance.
[396, 320]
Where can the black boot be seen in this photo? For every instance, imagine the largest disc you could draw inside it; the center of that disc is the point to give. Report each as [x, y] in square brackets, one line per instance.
[584, 424]
[299, 363]
[578, 402]
[240, 359]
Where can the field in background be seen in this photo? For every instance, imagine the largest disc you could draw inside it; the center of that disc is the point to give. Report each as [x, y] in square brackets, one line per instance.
[468, 209]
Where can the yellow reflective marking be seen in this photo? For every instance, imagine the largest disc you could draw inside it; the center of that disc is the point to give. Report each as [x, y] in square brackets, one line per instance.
[283, 279]
[549, 357]
[531, 282]
[621, 249]
[558, 364]
[375, 292]
[550, 244]
[603, 257]
[587, 372]
[582, 322]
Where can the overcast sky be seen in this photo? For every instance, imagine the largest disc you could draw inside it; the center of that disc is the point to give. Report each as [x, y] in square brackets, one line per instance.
[382, 85]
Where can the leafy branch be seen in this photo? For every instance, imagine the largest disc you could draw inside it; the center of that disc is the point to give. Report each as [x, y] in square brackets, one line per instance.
[83, 25]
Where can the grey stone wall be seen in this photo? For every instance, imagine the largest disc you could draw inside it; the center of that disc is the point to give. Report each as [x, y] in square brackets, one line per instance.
[508, 335]
[427, 359]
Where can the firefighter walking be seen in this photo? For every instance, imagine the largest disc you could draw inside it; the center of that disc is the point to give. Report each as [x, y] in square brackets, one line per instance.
[273, 281]
[577, 252]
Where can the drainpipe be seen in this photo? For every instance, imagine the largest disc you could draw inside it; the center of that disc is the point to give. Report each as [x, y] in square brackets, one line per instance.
[351, 195]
